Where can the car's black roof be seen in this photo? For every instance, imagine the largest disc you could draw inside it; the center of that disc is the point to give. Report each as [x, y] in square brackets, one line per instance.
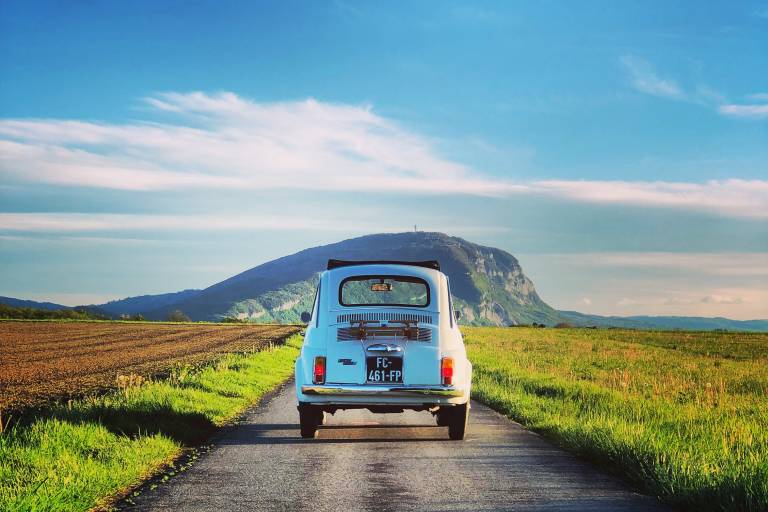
[434, 264]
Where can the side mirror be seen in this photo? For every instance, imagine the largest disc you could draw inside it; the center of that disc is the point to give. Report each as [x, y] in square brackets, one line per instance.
[457, 315]
[306, 317]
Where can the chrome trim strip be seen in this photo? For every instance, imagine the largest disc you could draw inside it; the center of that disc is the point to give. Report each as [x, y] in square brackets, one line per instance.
[383, 347]
[422, 318]
[356, 390]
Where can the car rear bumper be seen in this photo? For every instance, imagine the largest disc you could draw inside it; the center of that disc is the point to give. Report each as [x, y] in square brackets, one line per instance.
[346, 390]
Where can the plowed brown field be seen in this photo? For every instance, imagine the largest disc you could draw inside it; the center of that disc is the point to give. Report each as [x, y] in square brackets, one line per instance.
[44, 361]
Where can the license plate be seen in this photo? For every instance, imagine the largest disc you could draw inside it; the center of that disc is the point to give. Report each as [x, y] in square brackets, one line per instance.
[384, 369]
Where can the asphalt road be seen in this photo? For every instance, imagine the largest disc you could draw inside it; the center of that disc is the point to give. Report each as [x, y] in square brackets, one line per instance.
[387, 462]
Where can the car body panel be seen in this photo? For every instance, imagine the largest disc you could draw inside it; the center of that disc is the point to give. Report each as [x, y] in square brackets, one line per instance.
[331, 333]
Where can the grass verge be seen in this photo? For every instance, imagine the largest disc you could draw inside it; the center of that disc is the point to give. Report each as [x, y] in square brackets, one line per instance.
[681, 414]
[80, 456]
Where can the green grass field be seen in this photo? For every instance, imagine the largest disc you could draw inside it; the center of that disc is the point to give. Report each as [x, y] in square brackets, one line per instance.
[682, 414]
[79, 456]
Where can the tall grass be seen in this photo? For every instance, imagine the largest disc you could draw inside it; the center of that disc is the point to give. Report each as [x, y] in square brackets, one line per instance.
[76, 457]
[684, 415]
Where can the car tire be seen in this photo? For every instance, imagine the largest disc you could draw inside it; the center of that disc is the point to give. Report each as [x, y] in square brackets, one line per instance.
[443, 417]
[457, 422]
[309, 420]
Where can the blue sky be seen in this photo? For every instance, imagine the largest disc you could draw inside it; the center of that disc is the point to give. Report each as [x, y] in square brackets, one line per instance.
[619, 149]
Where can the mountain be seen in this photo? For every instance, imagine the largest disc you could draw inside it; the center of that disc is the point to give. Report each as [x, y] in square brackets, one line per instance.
[488, 284]
[21, 303]
[134, 305]
[694, 323]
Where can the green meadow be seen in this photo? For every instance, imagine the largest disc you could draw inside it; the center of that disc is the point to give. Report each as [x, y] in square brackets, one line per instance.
[684, 415]
[84, 454]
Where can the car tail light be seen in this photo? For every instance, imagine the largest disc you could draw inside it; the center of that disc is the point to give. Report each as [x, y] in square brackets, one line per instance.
[446, 371]
[318, 374]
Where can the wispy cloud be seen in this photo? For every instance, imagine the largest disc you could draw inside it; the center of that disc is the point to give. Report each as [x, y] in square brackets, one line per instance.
[223, 141]
[749, 111]
[755, 108]
[108, 228]
[721, 299]
[745, 198]
[725, 264]
[708, 299]
[683, 301]
[645, 79]
[106, 222]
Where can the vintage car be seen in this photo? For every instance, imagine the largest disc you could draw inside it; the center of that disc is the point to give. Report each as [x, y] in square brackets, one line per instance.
[383, 336]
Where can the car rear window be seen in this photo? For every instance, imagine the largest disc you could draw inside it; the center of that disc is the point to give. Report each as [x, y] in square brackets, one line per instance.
[384, 291]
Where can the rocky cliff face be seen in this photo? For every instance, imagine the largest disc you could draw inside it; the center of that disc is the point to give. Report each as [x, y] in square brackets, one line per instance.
[488, 285]
[498, 292]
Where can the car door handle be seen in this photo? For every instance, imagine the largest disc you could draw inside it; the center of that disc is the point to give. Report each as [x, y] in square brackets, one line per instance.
[381, 347]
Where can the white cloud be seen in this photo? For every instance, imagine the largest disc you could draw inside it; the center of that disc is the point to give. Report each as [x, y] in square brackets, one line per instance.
[759, 96]
[747, 111]
[222, 141]
[225, 141]
[586, 301]
[678, 301]
[645, 79]
[721, 299]
[709, 299]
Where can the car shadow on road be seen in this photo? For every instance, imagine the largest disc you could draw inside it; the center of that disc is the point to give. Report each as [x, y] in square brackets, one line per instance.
[266, 433]
[271, 426]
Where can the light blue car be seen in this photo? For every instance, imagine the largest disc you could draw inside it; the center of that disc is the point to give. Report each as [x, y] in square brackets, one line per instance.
[383, 336]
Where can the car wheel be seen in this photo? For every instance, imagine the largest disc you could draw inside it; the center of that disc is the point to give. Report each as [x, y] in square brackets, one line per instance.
[457, 422]
[309, 420]
[443, 417]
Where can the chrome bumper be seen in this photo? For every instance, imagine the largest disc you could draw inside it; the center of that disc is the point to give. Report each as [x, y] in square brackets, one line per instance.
[351, 390]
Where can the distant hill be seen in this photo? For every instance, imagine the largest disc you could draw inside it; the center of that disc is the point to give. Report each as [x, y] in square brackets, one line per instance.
[141, 303]
[693, 323]
[488, 284]
[27, 313]
[21, 303]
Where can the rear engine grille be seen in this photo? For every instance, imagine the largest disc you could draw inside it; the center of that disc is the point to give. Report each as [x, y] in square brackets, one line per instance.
[383, 334]
[378, 317]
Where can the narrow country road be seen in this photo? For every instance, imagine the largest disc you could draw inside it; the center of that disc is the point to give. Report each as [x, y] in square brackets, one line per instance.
[383, 462]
